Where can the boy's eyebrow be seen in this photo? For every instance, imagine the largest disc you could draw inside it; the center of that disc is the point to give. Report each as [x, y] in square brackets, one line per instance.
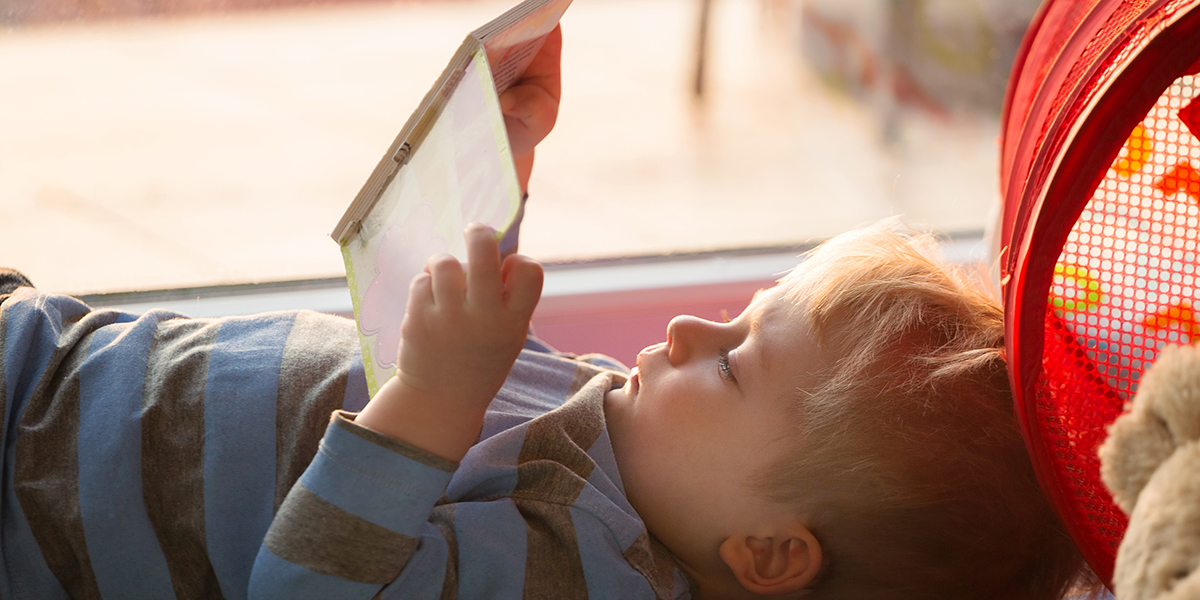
[755, 332]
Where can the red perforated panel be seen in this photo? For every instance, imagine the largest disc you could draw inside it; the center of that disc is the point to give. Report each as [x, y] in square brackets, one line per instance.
[1098, 244]
[1125, 285]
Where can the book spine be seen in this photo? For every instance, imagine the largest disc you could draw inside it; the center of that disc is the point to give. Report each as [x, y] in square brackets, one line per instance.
[406, 142]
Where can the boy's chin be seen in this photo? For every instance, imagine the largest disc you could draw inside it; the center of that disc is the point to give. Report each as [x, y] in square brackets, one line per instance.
[618, 400]
[617, 396]
[627, 392]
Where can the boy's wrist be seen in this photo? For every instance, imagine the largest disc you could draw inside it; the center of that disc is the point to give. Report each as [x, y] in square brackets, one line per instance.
[438, 425]
[524, 165]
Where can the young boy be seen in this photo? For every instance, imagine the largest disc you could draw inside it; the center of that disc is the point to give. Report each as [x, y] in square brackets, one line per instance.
[850, 435]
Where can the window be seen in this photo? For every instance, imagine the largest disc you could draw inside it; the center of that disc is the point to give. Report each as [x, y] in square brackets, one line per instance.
[145, 149]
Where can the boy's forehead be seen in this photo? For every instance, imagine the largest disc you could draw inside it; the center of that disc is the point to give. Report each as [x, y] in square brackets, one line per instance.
[777, 318]
[781, 295]
[773, 308]
[759, 301]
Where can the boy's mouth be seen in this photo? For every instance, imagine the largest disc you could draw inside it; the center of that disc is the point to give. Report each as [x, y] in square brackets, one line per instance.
[635, 379]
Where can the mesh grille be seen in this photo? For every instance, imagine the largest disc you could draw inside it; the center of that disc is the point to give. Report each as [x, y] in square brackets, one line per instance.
[1124, 287]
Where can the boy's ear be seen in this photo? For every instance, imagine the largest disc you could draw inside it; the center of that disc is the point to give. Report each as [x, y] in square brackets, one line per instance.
[784, 563]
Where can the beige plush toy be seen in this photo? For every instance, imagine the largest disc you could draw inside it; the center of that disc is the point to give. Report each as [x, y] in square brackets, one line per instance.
[1151, 464]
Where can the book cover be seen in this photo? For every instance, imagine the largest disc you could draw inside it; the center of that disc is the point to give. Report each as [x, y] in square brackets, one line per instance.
[451, 165]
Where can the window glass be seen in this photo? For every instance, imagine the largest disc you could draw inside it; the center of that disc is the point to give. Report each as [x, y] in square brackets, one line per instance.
[153, 144]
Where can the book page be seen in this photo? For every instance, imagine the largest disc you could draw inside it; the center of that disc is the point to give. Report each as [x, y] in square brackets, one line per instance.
[512, 49]
[462, 172]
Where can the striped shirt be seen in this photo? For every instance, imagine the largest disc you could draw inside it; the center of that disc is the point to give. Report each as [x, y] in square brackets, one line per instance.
[156, 456]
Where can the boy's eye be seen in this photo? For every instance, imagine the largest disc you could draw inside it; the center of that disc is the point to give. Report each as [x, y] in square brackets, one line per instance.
[724, 369]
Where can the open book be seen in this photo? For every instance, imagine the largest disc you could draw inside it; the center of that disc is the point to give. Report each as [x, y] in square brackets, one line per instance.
[450, 165]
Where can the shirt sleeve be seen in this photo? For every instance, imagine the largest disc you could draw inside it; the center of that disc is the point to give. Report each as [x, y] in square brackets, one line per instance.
[353, 521]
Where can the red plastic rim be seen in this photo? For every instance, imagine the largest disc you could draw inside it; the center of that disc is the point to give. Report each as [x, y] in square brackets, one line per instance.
[1100, 172]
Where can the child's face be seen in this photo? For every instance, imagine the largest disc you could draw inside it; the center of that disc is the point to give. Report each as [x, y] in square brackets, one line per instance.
[705, 412]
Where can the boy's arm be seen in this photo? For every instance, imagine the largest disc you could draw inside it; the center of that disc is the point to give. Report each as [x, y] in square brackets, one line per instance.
[361, 511]
[353, 521]
[461, 334]
[530, 111]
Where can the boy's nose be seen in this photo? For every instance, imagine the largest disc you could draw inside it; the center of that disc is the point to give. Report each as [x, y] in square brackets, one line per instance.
[684, 335]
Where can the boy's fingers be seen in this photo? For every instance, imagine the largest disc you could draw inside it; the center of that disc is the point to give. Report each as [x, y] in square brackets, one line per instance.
[420, 292]
[546, 68]
[540, 88]
[531, 118]
[420, 298]
[448, 279]
[523, 278]
[483, 266]
[532, 105]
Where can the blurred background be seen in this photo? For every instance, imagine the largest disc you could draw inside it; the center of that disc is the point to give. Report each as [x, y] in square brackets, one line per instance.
[158, 144]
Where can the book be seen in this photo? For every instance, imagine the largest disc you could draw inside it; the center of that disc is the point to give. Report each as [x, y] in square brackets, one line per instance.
[450, 165]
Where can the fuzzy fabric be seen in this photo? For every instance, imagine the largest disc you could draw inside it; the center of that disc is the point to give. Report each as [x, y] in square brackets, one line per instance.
[1151, 464]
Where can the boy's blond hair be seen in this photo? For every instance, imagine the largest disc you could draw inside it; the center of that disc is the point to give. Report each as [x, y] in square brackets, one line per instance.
[907, 463]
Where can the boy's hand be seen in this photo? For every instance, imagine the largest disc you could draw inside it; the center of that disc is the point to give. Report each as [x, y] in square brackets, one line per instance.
[530, 106]
[460, 336]
[462, 332]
